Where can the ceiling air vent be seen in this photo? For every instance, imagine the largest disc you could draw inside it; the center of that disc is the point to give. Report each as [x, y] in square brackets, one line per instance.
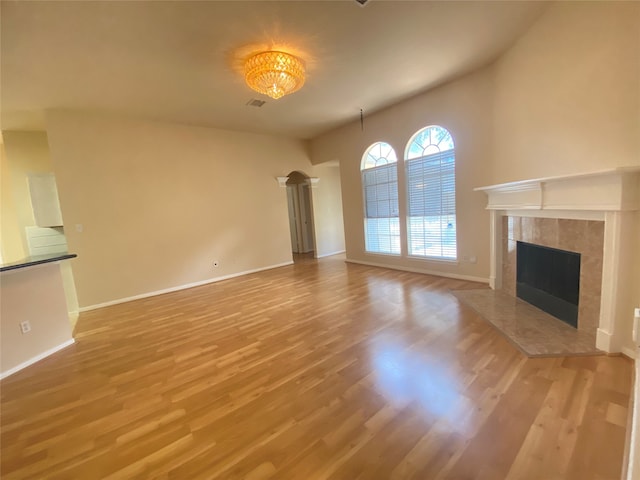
[256, 103]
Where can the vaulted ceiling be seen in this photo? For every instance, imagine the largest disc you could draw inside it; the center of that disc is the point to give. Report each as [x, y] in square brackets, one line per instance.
[181, 61]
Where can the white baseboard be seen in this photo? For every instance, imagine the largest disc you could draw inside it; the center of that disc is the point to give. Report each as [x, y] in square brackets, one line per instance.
[630, 352]
[37, 358]
[421, 270]
[331, 254]
[181, 287]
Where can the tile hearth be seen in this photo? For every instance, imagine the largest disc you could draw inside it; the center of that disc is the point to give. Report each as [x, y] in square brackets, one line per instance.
[531, 330]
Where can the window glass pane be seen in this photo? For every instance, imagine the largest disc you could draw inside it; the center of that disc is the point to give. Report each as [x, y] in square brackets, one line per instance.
[379, 154]
[431, 194]
[380, 188]
[382, 235]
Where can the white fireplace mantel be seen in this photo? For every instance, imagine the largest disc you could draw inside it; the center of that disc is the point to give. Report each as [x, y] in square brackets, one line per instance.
[610, 190]
[612, 196]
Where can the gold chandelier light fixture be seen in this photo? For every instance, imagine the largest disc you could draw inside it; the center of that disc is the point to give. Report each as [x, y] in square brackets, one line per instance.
[274, 73]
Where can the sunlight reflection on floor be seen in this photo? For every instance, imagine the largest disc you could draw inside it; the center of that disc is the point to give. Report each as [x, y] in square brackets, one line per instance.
[405, 377]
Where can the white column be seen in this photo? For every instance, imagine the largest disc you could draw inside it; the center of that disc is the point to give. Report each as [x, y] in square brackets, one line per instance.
[495, 254]
[616, 302]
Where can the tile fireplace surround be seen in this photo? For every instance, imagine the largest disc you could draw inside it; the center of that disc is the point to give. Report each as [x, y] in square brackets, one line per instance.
[585, 237]
[592, 214]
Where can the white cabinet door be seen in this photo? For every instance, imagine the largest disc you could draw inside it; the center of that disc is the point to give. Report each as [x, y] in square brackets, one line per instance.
[44, 200]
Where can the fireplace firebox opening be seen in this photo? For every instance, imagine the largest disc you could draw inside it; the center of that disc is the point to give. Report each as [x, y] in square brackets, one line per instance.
[549, 278]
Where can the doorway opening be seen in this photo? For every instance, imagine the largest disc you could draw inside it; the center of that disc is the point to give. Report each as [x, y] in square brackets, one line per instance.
[300, 206]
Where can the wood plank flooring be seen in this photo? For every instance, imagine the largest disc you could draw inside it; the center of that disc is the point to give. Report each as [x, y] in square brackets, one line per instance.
[320, 370]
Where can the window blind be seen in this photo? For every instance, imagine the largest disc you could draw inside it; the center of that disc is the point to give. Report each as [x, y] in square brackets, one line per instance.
[382, 227]
[431, 209]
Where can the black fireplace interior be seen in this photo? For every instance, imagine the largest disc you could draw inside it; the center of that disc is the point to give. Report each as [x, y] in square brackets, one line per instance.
[549, 279]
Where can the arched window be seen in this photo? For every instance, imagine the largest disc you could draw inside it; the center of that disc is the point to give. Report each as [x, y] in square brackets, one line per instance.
[380, 187]
[431, 194]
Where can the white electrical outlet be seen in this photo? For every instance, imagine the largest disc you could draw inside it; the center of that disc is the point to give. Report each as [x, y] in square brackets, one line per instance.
[25, 327]
[216, 263]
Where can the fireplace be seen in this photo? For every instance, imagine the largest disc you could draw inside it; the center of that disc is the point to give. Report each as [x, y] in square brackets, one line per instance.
[549, 278]
[583, 237]
[592, 214]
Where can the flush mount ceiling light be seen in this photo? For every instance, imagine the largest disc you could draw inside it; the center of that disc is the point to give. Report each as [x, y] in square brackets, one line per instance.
[274, 73]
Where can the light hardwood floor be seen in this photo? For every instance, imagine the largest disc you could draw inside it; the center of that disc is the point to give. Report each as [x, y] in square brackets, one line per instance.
[317, 370]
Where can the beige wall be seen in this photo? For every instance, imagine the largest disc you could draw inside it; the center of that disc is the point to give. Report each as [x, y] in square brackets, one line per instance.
[327, 211]
[26, 153]
[11, 242]
[35, 294]
[567, 95]
[159, 203]
[463, 107]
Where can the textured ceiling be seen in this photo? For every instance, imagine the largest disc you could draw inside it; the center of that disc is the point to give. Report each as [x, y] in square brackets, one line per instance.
[181, 61]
